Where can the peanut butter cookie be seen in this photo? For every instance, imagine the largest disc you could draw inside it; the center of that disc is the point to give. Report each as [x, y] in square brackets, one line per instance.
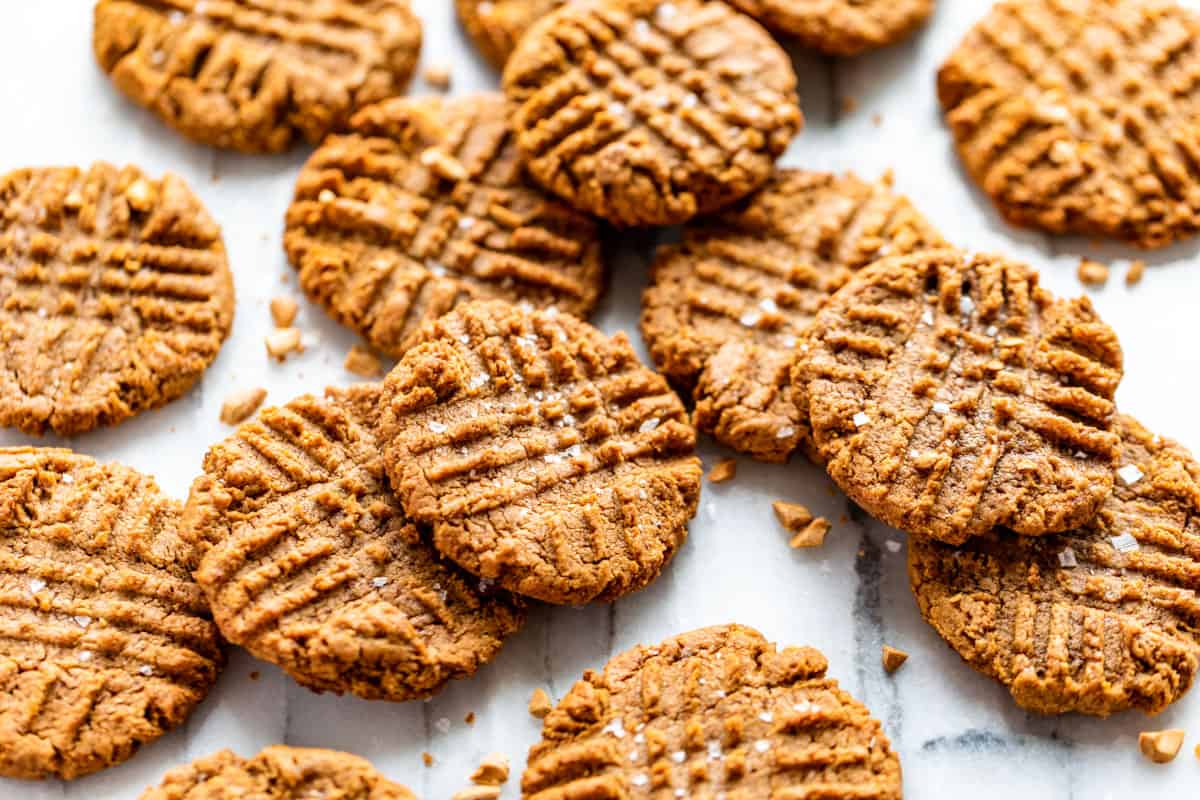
[725, 308]
[115, 295]
[1101, 619]
[311, 564]
[951, 394]
[278, 773]
[495, 26]
[650, 113]
[423, 204]
[1081, 117]
[718, 712]
[841, 27]
[107, 641]
[255, 76]
[544, 456]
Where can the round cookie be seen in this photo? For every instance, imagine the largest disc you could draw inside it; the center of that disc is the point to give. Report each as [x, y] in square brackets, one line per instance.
[712, 713]
[1080, 117]
[841, 27]
[116, 295]
[107, 641]
[1098, 620]
[254, 76]
[495, 26]
[541, 452]
[650, 113]
[312, 565]
[950, 394]
[423, 204]
[725, 307]
[278, 773]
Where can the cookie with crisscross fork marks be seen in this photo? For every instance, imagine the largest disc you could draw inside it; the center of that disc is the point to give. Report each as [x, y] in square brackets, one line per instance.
[255, 75]
[542, 453]
[115, 295]
[1083, 116]
[424, 204]
[278, 773]
[724, 309]
[1101, 619]
[106, 642]
[495, 26]
[841, 27]
[950, 394]
[649, 113]
[311, 564]
[718, 712]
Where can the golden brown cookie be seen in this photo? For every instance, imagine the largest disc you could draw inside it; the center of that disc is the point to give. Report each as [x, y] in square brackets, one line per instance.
[311, 564]
[1101, 619]
[115, 295]
[724, 309]
[649, 113]
[495, 26]
[950, 394]
[840, 27]
[718, 712]
[542, 453]
[423, 204]
[278, 773]
[107, 641]
[1081, 117]
[256, 76]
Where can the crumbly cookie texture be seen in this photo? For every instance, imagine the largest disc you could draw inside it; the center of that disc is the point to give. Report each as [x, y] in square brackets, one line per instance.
[310, 564]
[256, 77]
[278, 773]
[715, 711]
[1080, 117]
[109, 642]
[495, 26]
[726, 309]
[950, 394]
[650, 113]
[1097, 620]
[841, 27]
[115, 295]
[542, 454]
[423, 204]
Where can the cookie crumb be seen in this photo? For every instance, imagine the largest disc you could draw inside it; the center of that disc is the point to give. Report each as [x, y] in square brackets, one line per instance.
[723, 471]
[539, 704]
[792, 516]
[427, 759]
[1092, 273]
[469, 718]
[877, 120]
[1137, 269]
[255, 675]
[283, 311]
[239, 405]
[478, 793]
[893, 659]
[813, 534]
[438, 76]
[492, 770]
[362, 362]
[282, 342]
[1160, 746]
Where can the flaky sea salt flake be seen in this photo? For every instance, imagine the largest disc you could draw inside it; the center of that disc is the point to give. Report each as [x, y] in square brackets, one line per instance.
[1125, 543]
[1130, 474]
[1066, 558]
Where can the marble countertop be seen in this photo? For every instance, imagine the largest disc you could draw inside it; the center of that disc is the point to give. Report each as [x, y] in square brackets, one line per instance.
[956, 732]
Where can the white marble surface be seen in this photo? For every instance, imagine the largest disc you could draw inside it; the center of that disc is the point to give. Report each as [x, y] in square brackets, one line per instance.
[957, 733]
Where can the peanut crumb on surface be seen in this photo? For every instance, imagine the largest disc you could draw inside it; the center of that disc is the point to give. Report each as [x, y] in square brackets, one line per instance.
[1137, 269]
[438, 76]
[723, 471]
[362, 362]
[539, 704]
[240, 404]
[283, 311]
[1092, 273]
[469, 718]
[427, 759]
[255, 675]
[283, 342]
[813, 535]
[893, 659]
[492, 770]
[792, 516]
[1160, 746]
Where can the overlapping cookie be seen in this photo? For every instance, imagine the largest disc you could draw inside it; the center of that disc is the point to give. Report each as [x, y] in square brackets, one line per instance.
[495, 26]
[841, 27]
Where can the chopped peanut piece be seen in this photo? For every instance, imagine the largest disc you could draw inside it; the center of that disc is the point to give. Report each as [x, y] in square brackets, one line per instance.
[792, 516]
[813, 534]
[492, 770]
[1092, 273]
[478, 793]
[1160, 746]
[1136, 270]
[893, 659]
[539, 704]
[283, 311]
[363, 362]
[239, 405]
[282, 342]
[723, 471]
[438, 76]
